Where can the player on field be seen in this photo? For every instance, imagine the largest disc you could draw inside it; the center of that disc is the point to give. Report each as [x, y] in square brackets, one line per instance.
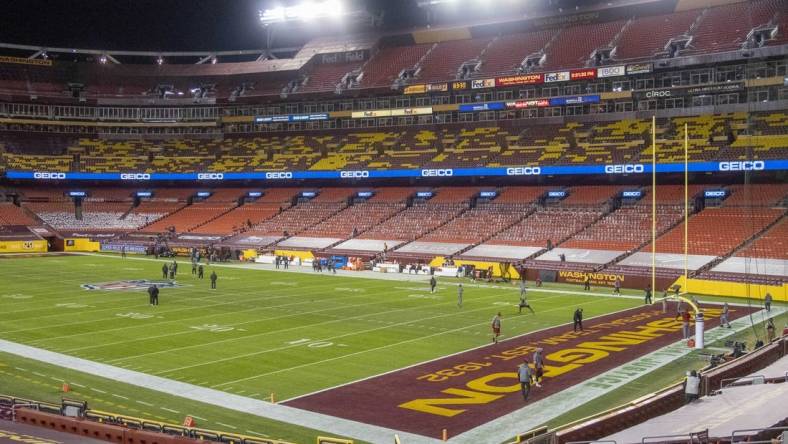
[578, 319]
[459, 296]
[496, 327]
[523, 300]
[164, 271]
[724, 316]
[174, 269]
[200, 272]
[648, 294]
[524, 374]
[538, 366]
[433, 284]
[213, 280]
[617, 286]
[587, 283]
[153, 294]
[172, 272]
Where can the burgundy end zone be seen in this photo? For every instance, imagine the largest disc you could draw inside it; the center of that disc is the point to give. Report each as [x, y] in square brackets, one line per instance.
[464, 391]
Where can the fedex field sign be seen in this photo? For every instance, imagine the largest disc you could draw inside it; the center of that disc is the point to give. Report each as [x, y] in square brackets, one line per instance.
[624, 169]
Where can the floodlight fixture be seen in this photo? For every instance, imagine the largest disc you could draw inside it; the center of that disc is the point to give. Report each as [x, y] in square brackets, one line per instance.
[160, 60]
[305, 11]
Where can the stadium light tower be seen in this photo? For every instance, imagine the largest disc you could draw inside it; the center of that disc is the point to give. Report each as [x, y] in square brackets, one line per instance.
[305, 11]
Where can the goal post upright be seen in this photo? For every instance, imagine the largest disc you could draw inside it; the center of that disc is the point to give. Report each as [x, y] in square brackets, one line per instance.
[654, 203]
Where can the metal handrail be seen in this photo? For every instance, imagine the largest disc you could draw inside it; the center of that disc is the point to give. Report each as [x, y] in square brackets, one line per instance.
[686, 436]
[752, 378]
[733, 433]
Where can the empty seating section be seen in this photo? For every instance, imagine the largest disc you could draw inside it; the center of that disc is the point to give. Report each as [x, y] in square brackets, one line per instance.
[591, 195]
[454, 194]
[95, 215]
[551, 223]
[11, 214]
[326, 76]
[756, 195]
[731, 136]
[353, 150]
[444, 59]
[616, 142]
[468, 148]
[717, 231]
[773, 244]
[521, 196]
[645, 37]
[243, 218]
[477, 224]
[239, 219]
[574, 45]
[297, 219]
[533, 145]
[506, 52]
[359, 217]
[386, 64]
[626, 228]
[189, 217]
[413, 149]
[725, 28]
[415, 221]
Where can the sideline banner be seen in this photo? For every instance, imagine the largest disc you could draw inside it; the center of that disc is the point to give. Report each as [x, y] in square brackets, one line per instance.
[24, 246]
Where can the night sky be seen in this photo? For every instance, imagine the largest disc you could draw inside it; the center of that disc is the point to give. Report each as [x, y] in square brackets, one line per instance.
[183, 25]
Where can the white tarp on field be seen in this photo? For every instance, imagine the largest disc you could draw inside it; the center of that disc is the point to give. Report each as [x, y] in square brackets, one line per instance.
[753, 265]
[508, 252]
[367, 244]
[580, 255]
[667, 260]
[308, 242]
[434, 248]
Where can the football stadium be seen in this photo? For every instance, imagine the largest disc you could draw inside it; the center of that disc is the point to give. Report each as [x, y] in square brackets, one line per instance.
[402, 221]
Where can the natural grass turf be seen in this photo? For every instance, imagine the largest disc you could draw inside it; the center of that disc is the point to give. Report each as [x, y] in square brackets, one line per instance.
[260, 332]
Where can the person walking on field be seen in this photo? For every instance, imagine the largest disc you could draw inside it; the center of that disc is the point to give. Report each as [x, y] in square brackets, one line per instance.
[524, 375]
[496, 327]
[433, 284]
[213, 280]
[724, 316]
[767, 302]
[459, 296]
[648, 294]
[587, 283]
[617, 286]
[200, 272]
[538, 366]
[164, 271]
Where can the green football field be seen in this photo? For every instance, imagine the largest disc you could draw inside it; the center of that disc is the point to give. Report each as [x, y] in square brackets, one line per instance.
[260, 332]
